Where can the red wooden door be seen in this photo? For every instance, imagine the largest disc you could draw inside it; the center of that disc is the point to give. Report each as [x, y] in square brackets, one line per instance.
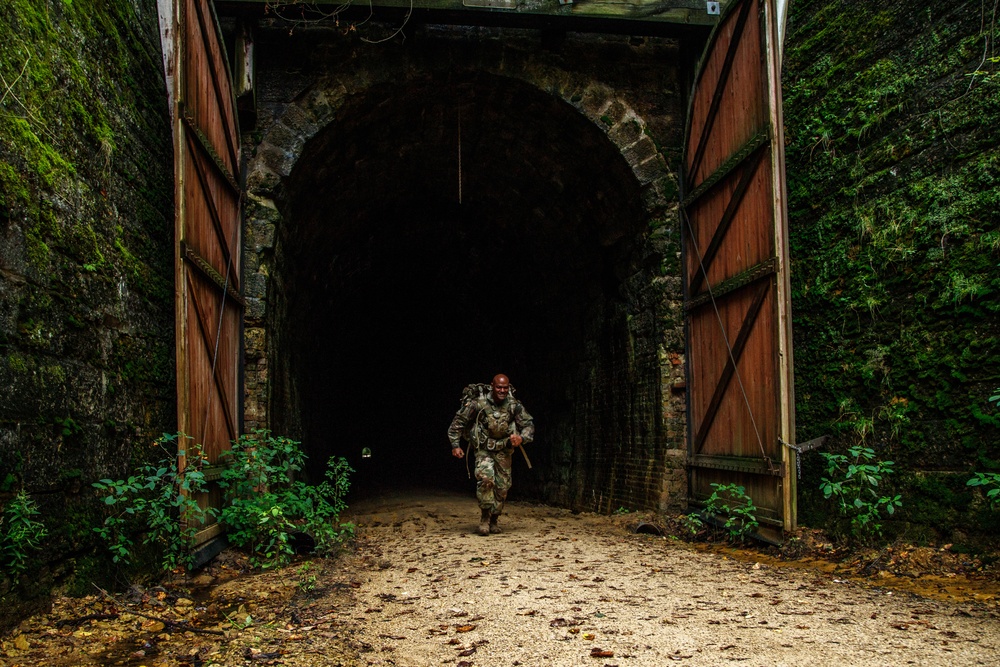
[209, 305]
[740, 395]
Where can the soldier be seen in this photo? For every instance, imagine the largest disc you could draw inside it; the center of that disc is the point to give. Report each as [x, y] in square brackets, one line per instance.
[495, 423]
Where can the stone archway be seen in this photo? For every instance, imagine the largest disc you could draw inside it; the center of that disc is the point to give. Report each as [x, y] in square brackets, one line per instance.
[416, 226]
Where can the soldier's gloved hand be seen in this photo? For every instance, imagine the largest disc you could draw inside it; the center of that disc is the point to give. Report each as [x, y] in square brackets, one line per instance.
[515, 440]
[457, 452]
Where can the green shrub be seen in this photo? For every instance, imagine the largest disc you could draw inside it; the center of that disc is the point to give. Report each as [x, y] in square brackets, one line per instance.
[154, 501]
[853, 480]
[265, 505]
[20, 533]
[731, 504]
[990, 481]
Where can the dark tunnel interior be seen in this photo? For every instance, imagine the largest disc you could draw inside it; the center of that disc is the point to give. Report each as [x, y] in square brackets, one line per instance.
[435, 234]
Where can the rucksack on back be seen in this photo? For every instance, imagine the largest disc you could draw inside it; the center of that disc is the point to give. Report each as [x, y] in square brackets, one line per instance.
[476, 392]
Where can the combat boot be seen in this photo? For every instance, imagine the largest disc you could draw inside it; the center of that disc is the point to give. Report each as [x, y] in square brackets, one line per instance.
[484, 522]
[494, 528]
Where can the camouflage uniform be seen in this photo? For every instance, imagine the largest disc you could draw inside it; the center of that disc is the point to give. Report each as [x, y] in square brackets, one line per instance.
[488, 426]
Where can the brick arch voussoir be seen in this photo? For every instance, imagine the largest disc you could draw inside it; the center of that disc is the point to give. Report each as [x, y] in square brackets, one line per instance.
[316, 108]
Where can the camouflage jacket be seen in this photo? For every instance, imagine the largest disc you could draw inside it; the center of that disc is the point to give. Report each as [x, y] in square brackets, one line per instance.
[488, 424]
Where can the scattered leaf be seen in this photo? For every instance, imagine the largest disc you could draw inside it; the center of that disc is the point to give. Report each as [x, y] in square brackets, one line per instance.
[465, 628]
[598, 652]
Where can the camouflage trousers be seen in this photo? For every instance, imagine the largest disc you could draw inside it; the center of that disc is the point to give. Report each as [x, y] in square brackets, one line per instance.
[493, 478]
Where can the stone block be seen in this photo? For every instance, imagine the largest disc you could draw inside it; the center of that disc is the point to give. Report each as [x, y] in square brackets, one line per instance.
[255, 341]
[255, 285]
[260, 235]
[255, 310]
[595, 101]
[650, 170]
[288, 141]
[626, 133]
[261, 178]
[296, 120]
[316, 105]
[642, 151]
[276, 159]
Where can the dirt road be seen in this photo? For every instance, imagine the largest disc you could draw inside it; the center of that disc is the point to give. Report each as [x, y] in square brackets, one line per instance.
[565, 589]
[555, 589]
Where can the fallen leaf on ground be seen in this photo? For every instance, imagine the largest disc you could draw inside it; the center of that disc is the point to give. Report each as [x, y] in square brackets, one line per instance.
[597, 652]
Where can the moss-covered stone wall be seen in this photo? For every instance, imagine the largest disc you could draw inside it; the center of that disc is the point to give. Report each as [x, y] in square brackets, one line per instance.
[86, 257]
[893, 165]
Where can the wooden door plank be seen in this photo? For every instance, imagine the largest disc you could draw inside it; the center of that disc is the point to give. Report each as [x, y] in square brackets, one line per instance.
[731, 362]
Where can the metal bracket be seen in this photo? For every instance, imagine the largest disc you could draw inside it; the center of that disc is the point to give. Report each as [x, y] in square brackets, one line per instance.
[806, 446]
[712, 8]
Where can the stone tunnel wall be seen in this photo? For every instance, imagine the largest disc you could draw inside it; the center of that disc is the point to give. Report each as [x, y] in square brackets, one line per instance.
[600, 456]
[86, 270]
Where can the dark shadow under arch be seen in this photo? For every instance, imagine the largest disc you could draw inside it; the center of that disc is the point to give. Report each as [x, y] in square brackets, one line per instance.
[397, 288]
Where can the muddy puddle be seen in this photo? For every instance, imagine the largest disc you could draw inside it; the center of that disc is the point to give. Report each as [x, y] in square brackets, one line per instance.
[945, 586]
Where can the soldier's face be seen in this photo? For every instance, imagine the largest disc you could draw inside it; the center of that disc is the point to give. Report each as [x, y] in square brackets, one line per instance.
[500, 389]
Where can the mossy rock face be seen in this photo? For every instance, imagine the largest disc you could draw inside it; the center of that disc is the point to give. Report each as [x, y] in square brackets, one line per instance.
[892, 169]
[86, 259]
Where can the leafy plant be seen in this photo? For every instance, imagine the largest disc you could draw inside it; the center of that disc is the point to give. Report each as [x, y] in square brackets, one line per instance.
[20, 533]
[67, 426]
[159, 499]
[307, 580]
[732, 502]
[692, 523]
[853, 480]
[265, 505]
[990, 481]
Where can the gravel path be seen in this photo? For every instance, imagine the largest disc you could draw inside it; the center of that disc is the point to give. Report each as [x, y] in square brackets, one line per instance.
[418, 588]
[562, 589]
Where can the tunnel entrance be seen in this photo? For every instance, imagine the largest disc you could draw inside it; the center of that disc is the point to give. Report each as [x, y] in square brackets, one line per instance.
[434, 238]
[456, 209]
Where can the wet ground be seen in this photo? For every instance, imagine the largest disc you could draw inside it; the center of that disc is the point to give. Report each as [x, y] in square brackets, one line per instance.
[418, 588]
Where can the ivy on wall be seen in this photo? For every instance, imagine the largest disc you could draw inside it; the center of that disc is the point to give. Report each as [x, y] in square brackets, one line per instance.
[86, 266]
[893, 171]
